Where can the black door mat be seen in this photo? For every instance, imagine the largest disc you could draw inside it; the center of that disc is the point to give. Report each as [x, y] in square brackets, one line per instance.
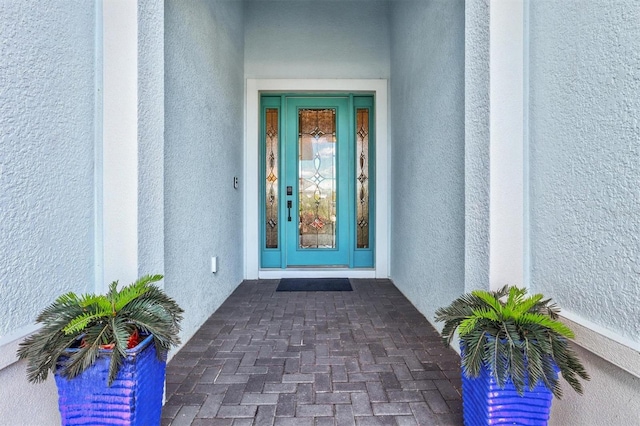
[314, 284]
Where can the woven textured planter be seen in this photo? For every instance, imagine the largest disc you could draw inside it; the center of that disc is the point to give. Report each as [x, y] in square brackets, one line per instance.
[484, 403]
[134, 398]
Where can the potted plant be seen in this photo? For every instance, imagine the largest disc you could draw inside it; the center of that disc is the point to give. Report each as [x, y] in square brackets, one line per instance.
[512, 349]
[108, 352]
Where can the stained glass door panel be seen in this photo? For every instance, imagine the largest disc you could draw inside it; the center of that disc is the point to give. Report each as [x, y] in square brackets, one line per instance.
[317, 167]
[317, 174]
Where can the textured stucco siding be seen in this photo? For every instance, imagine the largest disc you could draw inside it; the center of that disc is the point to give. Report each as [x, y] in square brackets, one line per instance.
[427, 185]
[477, 145]
[150, 137]
[585, 159]
[46, 155]
[203, 152]
[585, 183]
[316, 39]
[46, 177]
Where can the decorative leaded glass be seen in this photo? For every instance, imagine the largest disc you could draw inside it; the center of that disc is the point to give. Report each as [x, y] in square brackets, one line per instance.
[362, 177]
[271, 140]
[318, 178]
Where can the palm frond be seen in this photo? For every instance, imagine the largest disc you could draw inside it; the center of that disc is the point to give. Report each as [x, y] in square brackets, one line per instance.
[448, 332]
[473, 348]
[95, 302]
[134, 290]
[533, 364]
[545, 321]
[467, 325]
[86, 355]
[79, 323]
[121, 332]
[501, 293]
[569, 365]
[527, 304]
[550, 377]
[63, 307]
[515, 297]
[489, 299]
[545, 307]
[499, 361]
[517, 365]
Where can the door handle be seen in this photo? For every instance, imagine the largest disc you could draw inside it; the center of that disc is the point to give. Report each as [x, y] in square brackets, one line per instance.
[289, 205]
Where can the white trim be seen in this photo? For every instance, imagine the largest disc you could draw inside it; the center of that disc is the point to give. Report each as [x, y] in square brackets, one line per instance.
[251, 180]
[526, 190]
[98, 172]
[120, 141]
[619, 350]
[271, 274]
[506, 254]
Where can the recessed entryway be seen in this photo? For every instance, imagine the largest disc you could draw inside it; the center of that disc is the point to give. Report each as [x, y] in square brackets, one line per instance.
[334, 191]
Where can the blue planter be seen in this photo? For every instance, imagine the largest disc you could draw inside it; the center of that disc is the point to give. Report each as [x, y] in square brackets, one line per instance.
[484, 403]
[134, 398]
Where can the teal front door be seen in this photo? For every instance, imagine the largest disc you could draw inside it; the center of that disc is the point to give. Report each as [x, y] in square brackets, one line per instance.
[316, 171]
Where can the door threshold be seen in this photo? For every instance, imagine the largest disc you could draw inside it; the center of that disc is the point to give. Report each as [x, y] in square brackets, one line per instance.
[270, 274]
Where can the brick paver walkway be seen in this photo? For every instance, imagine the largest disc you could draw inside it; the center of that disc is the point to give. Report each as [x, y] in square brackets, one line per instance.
[365, 357]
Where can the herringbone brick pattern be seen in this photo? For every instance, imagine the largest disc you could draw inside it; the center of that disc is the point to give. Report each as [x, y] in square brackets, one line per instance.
[365, 357]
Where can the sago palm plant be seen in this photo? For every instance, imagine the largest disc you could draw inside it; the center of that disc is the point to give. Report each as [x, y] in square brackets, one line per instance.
[92, 323]
[516, 337]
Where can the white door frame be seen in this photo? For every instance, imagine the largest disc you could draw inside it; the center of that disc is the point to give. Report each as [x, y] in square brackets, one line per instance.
[254, 87]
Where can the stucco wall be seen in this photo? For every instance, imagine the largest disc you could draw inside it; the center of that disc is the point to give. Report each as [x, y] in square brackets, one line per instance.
[46, 174]
[150, 137]
[585, 156]
[203, 152]
[46, 155]
[316, 39]
[477, 145]
[585, 175]
[427, 184]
